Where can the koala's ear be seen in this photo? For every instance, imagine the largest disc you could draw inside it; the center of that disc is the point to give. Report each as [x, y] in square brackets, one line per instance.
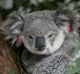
[67, 23]
[14, 21]
[13, 27]
[65, 19]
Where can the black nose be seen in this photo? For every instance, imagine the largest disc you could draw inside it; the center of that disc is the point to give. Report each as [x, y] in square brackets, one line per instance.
[40, 43]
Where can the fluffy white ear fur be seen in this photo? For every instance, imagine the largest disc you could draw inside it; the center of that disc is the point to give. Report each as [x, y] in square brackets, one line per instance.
[18, 23]
[65, 27]
[63, 17]
[17, 40]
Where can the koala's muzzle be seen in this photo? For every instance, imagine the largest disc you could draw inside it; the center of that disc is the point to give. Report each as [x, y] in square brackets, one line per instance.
[40, 43]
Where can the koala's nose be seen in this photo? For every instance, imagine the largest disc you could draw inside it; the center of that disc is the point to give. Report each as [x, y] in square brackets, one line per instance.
[40, 43]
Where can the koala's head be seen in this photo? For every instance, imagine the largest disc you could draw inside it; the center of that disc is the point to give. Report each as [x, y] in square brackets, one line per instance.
[43, 36]
[42, 32]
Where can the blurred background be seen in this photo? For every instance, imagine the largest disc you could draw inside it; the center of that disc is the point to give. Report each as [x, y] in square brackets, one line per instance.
[7, 6]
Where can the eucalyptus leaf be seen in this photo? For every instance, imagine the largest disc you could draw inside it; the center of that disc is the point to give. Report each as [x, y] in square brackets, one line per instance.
[12, 70]
[74, 69]
[78, 46]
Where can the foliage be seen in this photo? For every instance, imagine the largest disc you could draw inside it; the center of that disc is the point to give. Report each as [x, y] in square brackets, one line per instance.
[12, 70]
[74, 68]
[31, 5]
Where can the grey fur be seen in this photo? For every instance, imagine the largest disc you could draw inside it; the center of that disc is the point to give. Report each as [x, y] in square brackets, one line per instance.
[50, 20]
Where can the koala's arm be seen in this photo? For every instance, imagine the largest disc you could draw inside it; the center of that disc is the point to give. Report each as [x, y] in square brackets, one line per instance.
[57, 64]
[53, 64]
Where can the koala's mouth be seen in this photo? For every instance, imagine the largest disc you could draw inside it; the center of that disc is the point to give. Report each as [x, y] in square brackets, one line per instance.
[41, 51]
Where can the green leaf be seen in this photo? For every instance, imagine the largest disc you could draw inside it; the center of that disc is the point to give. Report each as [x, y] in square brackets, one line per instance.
[74, 68]
[12, 71]
[78, 46]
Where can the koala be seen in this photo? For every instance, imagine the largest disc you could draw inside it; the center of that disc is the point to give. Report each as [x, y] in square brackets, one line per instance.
[42, 32]
[50, 38]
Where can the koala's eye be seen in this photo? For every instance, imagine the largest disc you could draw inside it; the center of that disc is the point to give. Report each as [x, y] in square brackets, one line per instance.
[49, 36]
[30, 37]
